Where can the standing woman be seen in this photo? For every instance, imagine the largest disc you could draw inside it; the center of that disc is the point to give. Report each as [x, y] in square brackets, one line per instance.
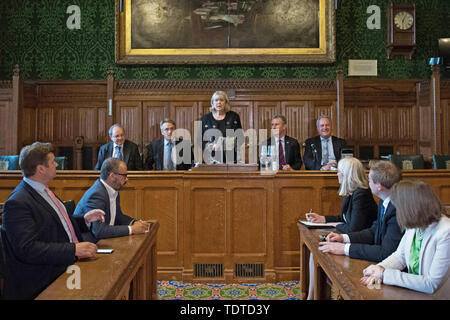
[425, 247]
[221, 118]
[359, 209]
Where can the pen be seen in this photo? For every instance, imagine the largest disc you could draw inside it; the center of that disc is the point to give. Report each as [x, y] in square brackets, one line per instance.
[307, 215]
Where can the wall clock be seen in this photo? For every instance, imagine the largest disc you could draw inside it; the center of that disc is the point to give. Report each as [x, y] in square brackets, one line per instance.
[401, 22]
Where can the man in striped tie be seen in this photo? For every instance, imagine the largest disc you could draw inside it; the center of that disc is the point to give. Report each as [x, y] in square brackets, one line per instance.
[287, 148]
[40, 238]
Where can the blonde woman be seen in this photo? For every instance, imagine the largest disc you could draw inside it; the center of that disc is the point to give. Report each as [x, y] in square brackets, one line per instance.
[224, 120]
[359, 209]
[425, 247]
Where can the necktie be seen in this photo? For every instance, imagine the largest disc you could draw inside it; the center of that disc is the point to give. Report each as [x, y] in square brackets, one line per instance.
[282, 160]
[64, 214]
[325, 151]
[118, 153]
[381, 212]
[169, 156]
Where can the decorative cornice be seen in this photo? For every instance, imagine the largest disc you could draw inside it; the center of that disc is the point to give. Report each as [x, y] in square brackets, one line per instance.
[227, 84]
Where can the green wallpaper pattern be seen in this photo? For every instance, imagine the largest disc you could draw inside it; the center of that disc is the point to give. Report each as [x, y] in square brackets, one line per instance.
[33, 33]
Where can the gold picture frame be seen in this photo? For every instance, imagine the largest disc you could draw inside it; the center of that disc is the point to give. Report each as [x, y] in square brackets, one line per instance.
[136, 44]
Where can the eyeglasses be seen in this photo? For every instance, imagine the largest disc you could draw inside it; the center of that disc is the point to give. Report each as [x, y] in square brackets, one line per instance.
[125, 175]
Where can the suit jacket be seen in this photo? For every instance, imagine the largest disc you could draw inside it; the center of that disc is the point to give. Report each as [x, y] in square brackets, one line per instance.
[358, 212]
[131, 155]
[380, 240]
[313, 151]
[155, 155]
[37, 248]
[434, 261]
[96, 197]
[291, 152]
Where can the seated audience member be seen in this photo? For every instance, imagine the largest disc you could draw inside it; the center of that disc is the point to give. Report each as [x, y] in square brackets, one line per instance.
[121, 148]
[424, 248]
[288, 150]
[382, 238]
[167, 153]
[323, 152]
[359, 209]
[40, 238]
[104, 195]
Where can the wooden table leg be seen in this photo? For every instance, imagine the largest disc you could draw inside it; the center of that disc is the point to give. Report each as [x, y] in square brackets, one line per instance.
[304, 270]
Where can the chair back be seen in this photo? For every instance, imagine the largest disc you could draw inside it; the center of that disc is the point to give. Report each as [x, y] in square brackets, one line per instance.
[440, 161]
[407, 161]
[9, 162]
[62, 163]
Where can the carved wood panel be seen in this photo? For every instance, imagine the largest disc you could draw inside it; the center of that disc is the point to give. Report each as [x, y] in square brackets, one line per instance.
[264, 111]
[4, 136]
[184, 114]
[129, 115]
[153, 113]
[45, 124]
[64, 125]
[297, 117]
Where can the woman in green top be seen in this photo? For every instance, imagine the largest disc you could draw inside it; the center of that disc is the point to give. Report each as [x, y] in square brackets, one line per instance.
[425, 247]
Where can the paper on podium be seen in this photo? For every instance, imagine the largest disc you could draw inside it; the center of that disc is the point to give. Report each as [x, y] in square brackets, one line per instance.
[314, 225]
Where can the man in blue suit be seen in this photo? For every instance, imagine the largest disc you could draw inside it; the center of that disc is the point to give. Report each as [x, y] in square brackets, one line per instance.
[40, 237]
[104, 195]
[382, 238]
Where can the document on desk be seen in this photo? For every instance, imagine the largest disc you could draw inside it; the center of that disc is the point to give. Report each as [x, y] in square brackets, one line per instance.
[314, 225]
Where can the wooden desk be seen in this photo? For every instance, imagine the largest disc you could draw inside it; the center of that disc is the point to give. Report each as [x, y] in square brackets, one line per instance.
[344, 273]
[127, 273]
[223, 219]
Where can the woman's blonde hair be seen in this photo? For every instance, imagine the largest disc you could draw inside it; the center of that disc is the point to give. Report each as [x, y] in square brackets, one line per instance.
[417, 204]
[353, 176]
[224, 96]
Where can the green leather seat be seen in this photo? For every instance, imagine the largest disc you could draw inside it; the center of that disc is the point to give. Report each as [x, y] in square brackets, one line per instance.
[12, 162]
[62, 163]
[407, 161]
[441, 161]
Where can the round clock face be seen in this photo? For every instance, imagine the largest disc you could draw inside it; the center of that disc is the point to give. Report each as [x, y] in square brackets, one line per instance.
[403, 20]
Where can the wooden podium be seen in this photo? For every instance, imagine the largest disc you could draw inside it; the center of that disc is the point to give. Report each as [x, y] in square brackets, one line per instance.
[227, 167]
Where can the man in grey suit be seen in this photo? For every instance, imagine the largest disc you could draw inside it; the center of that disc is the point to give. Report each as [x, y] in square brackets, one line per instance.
[104, 194]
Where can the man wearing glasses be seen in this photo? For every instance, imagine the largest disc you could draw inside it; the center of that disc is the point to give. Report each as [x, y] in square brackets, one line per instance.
[104, 194]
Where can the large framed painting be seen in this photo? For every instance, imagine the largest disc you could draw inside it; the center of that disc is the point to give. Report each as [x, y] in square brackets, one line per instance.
[222, 32]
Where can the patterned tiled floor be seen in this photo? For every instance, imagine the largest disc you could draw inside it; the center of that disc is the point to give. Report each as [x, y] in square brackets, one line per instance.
[176, 290]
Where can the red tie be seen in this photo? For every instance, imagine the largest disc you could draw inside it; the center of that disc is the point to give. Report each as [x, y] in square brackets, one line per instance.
[64, 214]
[281, 158]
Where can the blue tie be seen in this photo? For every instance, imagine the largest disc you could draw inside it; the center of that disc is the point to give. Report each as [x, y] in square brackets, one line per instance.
[381, 212]
[118, 154]
[169, 162]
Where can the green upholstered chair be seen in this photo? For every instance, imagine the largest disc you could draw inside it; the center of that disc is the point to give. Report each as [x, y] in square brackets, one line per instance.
[407, 161]
[441, 161]
[10, 162]
[62, 163]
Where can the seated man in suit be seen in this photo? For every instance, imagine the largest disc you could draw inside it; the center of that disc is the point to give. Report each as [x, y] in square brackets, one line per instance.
[382, 238]
[168, 153]
[40, 237]
[120, 148]
[104, 195]
[323, 152]
[288, 151]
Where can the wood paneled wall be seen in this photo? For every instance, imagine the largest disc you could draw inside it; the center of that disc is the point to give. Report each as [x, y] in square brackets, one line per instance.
[410, 116]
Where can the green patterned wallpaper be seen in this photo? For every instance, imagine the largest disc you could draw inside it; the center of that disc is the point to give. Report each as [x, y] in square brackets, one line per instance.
[34, 34]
